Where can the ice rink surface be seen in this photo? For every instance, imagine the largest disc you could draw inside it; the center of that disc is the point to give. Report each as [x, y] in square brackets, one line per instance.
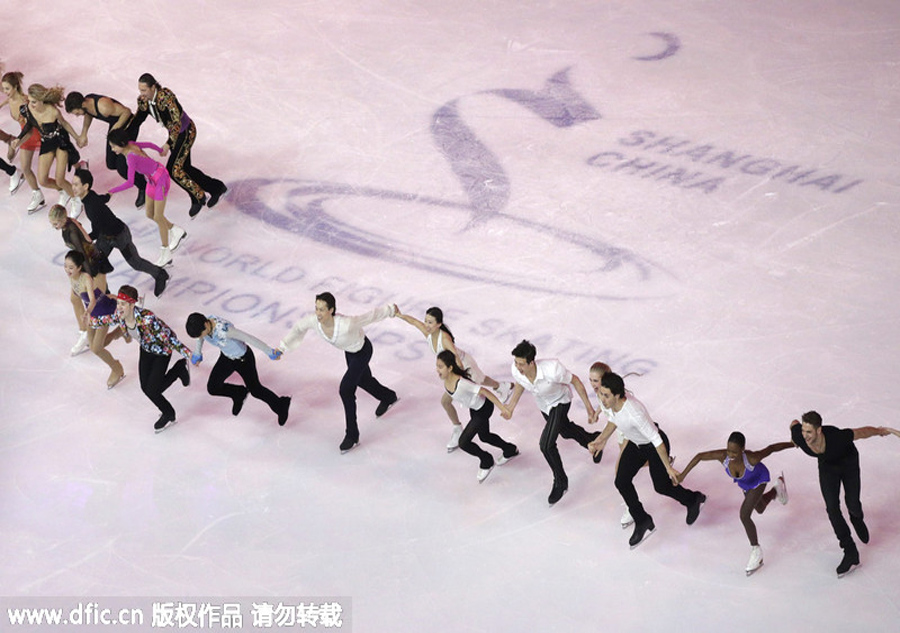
[701, 192]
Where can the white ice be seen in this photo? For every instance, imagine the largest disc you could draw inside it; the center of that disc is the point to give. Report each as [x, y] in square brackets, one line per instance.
[745, 300]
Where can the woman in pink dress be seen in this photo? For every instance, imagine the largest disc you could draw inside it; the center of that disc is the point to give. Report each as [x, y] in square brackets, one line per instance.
[158, 183]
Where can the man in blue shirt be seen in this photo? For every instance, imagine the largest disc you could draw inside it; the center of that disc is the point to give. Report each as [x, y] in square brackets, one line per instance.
[237, 357]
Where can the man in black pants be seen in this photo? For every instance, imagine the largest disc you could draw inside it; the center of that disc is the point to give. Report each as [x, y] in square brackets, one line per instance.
[114, 114]
[647, 444]
[109, 232]
[549, 381]
[237, 357]
[163, 106]
[838, 465]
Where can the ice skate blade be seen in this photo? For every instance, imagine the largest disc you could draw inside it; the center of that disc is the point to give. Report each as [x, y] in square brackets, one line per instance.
[750, 572]
[647, 535]
[110, 385]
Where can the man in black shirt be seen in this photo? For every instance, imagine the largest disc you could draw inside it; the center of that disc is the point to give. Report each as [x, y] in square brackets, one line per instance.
[109, 232]
[838, 465]
[116, 116]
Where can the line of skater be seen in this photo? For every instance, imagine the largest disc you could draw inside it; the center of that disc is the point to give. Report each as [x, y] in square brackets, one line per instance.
[37, 109]
[103, 318]
[641, 440]
[91, 238]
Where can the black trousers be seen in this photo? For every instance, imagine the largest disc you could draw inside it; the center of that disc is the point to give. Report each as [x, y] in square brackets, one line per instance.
[479, 425]
[245, 366]
[831, 477]
[557, 424]
[106, 243]
[632, 460]
[9, 169]
[155, 379]
[359, 375]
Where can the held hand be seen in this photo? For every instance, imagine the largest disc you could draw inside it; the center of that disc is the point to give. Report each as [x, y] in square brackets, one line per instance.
[196, 358]
[506, 413]
[275, 354]
[675, 476]
[164, 150]
[598, 444]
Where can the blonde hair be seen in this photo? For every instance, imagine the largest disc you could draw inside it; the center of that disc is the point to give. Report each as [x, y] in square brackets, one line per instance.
[57, 213]
[53, 96]
[603, 368]
[600, 368]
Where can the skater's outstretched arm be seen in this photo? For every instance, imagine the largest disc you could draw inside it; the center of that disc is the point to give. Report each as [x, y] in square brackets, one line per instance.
[864, 432]
[518, 390]
[705, 456]
[600, 443]
[411, 320]
[754, 457]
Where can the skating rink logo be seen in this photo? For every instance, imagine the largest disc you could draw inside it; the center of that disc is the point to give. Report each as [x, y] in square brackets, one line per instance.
[472, 236]
[481, 237]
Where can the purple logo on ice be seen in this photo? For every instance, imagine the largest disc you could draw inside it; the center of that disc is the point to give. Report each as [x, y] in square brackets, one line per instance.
[481, 226]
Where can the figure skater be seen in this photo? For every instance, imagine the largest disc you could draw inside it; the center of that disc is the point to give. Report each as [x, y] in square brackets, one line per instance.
[157, 182]
[157, 341]
[96, 306]
[42, 113]
[117, 117]
[480, 402]
[109, 232]
[162, 104]
[16, 99]
[551, 383]
[595, 375]
[838, 459]
[747, 470]
[96, 265]
[235, 356]
[440, 338]
[646, 443]
[346, 333]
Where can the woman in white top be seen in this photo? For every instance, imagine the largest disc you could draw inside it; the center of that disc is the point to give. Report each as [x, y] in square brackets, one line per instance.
[480, 402]
[346, 333]
[440, 338]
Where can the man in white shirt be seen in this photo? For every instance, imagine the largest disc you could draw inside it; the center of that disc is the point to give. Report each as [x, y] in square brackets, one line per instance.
[346, 333]
[647, 444]
[550, 382]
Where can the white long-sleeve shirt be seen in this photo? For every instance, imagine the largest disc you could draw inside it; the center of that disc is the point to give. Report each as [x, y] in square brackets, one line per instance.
[633, 421]
[348, 332]
[550, 386]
